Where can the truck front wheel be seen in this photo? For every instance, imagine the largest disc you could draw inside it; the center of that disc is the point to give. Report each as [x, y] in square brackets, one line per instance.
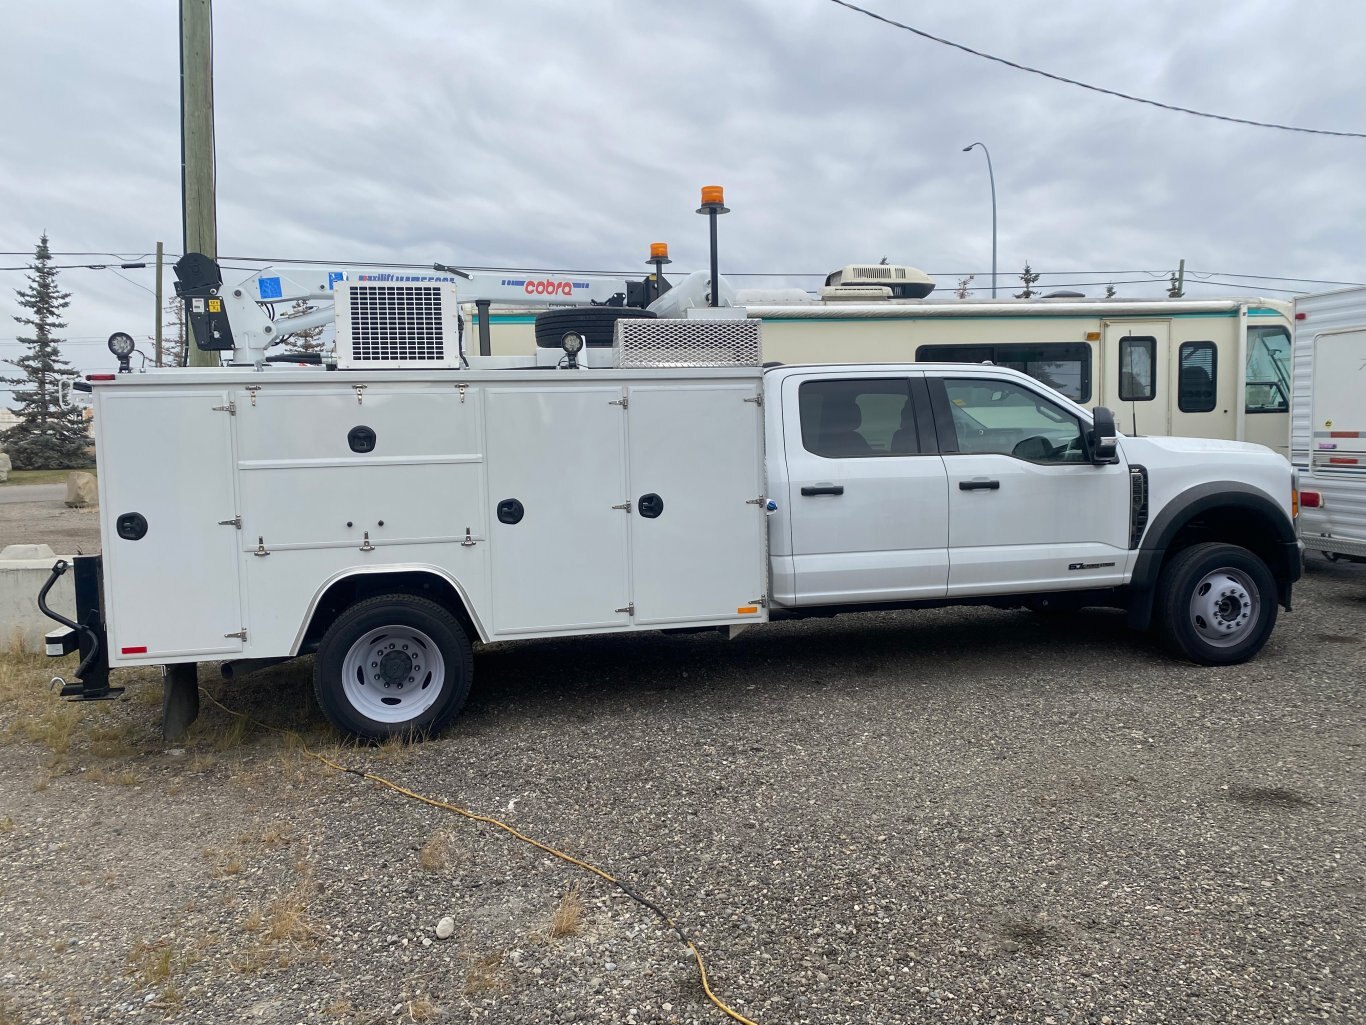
[395, 665]
[1216, 604]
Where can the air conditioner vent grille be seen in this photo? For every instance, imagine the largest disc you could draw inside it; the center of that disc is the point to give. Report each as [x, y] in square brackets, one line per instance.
[397, 325]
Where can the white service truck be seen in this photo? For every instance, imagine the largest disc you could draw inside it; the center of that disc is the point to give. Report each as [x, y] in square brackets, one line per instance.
[402, 503]
[1328, 421]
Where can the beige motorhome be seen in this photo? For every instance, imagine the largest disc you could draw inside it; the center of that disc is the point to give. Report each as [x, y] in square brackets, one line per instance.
[1211, 368]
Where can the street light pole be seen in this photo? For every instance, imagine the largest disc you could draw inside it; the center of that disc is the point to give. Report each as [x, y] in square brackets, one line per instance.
[992, 176]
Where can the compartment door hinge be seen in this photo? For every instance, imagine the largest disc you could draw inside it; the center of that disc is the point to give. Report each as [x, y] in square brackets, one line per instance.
[253, 389]
[230, 409]
[761, 601]
[758, 400]
[630, 609]
[624, 507]
[240, 634]
[236, 521]
[260, 547]
[624, 402]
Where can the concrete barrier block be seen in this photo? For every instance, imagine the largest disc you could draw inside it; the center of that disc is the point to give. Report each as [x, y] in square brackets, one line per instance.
[82, 490]
[23, 571]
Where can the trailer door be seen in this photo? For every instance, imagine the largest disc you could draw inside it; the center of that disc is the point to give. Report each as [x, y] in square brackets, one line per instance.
[697, 522]
[166, 484]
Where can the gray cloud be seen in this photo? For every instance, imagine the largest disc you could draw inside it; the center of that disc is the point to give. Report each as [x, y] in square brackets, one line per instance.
[573, 135]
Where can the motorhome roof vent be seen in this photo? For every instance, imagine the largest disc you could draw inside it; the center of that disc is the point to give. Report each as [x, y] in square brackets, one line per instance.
[1064, 294]
[856, 293]
[689, 343]
[396, 326]
[904, 282]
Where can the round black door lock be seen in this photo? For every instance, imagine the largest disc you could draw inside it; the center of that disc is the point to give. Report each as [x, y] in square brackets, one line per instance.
[650, 506]
[131, 526]
[510, 511]
[361, 439]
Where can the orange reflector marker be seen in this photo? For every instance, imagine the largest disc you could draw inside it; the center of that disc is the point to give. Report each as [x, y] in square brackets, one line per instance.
[659, 250]
[713, 195]
[139, 650]
[747, 610]
[1093, 336]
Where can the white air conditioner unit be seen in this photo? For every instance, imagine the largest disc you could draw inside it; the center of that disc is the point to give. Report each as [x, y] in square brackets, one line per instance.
[397, 325]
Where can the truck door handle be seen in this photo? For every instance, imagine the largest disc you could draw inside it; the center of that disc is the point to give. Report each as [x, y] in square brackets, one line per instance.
[979, 485]
[823, 489]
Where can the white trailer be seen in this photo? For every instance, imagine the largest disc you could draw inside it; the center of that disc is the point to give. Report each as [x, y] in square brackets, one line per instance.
[1328, 421]
[389, 516]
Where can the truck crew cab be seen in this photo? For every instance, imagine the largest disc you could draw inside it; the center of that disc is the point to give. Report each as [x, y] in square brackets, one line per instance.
[389, 515]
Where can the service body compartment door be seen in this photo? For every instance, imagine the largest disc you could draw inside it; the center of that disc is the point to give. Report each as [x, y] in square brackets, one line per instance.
[166, 456]
[697, 528]
[556, 470]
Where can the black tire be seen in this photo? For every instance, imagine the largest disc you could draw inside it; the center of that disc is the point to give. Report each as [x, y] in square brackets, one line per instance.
[1216, 604]
[595, 323]
[391, 703]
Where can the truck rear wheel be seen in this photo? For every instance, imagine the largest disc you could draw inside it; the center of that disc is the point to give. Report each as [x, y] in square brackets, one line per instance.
[1216, 604]
[395, 665]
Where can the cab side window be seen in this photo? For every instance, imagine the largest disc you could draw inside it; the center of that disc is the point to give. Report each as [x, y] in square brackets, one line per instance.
[1002, 417]
[846, 419]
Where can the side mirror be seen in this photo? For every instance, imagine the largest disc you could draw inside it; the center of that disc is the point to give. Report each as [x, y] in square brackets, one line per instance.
[1104, 439]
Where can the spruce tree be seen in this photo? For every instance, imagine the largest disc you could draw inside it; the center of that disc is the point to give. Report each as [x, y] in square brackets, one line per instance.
[48, 436]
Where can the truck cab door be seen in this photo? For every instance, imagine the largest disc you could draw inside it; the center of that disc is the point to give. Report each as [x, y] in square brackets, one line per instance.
[867, 493]
[1028, 511]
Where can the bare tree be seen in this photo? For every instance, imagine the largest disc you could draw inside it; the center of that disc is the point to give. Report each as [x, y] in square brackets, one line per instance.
[961, 292]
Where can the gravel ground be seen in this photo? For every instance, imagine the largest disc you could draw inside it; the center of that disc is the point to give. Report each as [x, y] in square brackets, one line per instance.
[35, 514]
[958, 816]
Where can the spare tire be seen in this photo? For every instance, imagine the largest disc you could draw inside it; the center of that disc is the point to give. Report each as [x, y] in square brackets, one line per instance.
[595, 323]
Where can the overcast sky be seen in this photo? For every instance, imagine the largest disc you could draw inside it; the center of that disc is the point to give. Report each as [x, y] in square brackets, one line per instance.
[545, 134]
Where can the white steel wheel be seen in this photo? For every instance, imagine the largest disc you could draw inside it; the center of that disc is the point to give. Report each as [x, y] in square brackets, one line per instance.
[1225, 606]
[1216, 604]
[394, 665]
[393, 674]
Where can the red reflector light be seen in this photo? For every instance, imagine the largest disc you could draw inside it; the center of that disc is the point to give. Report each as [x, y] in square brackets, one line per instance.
[1342, 461]
[1299, 316]
[1310, 500]
[141, 649]
[99, 377]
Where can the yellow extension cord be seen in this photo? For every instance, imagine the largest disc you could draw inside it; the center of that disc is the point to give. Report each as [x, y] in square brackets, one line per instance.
[489, 820]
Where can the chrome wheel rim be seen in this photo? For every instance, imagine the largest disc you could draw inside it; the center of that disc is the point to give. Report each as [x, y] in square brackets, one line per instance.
[393, 674]
[1225, 607]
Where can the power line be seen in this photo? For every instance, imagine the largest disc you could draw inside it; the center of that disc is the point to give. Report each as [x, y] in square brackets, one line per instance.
[1096, 88]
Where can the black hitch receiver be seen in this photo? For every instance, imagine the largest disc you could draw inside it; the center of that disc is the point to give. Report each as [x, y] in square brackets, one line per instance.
[93, 671]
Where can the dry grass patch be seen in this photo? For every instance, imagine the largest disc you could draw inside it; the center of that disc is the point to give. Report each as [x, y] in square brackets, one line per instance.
[484, 975]
[286, 932]
[436, 854]
[422, 1008]
[568, 917]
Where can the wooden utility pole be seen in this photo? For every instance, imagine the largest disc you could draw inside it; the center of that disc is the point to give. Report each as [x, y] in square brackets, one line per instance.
[161, 260]
[198, 197]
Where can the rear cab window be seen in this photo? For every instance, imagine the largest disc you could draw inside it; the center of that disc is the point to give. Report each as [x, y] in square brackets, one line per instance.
[859, 418]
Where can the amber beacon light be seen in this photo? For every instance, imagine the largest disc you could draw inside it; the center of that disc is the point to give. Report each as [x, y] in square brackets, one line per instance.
[713, 204]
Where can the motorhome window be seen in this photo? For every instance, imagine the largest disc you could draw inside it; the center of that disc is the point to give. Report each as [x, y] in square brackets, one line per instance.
[1002, 417]
[1268, 369]
[1065, 366]
[1197, 386]
[844, 419]
[1137, 363]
